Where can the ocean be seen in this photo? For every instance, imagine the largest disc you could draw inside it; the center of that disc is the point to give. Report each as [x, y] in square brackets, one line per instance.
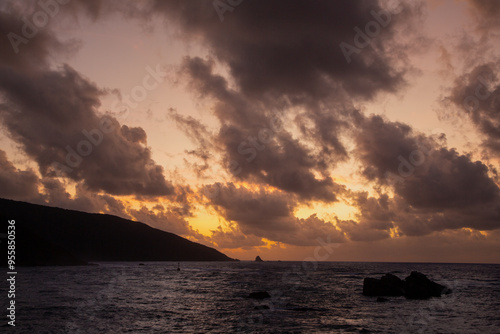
[212, 297]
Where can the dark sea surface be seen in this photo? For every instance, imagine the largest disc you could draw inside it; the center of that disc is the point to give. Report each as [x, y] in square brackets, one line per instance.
[211, 297]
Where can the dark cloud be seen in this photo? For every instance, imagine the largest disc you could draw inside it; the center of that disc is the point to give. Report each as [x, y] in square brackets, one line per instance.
[194, 129]
[53, 114]
[283, 56]
[487, 13]
[375, 213]
[25, 185]
[360, 231]
[477, 95]
[435, 188]
[260, 210]
[26, 52]
[134, 135]
[269, 214]
[441, 189]
[171, 216]
[312, 229]
[284, 93]
[374, 220]
[256, 146]
[379, 144]
[448, 180]
[56, 195]
[163, 219]
[429, 176]
[293, 47]
[16, 184]
[234, 238]
[199, 134]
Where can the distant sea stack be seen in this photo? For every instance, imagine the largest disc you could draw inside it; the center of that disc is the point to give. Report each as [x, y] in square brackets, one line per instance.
[258, 259]
[54, 236]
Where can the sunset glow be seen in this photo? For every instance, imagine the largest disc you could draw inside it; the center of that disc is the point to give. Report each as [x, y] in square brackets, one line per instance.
[263, 129]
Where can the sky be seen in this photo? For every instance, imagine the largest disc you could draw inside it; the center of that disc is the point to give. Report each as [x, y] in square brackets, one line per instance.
[331, 130]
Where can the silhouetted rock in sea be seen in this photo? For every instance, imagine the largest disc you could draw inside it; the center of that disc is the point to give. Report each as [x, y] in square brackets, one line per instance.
[259, 295]
[388, 285]
[415, 286]
[258, 259]
[382, 300]
[418, 286]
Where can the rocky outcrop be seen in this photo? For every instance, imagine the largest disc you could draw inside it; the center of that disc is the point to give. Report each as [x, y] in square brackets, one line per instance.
[259, 295]
[418, 286]
[388, 285]
[415, 286]
[258, 259]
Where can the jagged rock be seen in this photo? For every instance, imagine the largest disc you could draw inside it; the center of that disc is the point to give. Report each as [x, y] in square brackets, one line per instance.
[388, 285]
[415, 286]
[259, 295]
[258, 259]
[418, 286]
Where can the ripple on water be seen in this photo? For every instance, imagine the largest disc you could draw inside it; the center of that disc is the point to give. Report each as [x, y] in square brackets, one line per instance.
[211, 298]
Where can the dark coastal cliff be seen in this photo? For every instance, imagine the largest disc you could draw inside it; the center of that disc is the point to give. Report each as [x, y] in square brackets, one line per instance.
[54, 236]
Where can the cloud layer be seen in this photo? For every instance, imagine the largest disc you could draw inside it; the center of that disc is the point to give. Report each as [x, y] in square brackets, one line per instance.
[287, 83]
[54, 114]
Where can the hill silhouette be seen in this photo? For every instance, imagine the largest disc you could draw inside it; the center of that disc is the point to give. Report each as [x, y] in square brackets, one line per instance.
[53, 236]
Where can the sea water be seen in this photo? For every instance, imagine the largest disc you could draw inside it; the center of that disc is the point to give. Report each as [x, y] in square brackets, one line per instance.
[212, 297]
